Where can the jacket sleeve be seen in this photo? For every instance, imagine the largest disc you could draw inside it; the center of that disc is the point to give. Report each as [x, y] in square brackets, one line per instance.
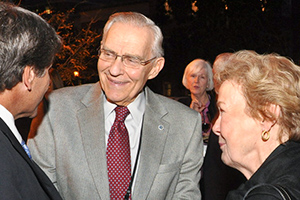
[190, 174]
[42, 148]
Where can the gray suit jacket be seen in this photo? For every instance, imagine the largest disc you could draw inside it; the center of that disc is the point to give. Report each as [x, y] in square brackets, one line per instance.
[70, 147]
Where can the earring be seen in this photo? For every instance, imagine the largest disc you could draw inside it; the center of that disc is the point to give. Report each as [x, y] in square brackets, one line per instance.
[29, 89]
[265, 135]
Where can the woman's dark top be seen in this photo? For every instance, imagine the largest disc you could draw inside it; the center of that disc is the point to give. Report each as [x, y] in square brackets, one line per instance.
[212, 108]
[281, 168]
[217, 178]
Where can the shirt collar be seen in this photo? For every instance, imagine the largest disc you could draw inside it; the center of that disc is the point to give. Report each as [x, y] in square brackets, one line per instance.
[9, 120]
[136, 108]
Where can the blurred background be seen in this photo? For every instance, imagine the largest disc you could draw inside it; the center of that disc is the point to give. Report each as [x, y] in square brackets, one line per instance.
[191, 29]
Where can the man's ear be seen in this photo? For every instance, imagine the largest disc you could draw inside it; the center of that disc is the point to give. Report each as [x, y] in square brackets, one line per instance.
[28, 77]
[158, 66]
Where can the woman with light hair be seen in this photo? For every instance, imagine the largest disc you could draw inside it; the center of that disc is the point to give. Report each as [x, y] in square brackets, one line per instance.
[228, 178]
[258, 124]
[198, 79]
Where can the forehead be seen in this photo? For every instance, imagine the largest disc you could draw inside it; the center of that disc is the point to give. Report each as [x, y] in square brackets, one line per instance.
[230, 96]
[197, 69]
[128, 38]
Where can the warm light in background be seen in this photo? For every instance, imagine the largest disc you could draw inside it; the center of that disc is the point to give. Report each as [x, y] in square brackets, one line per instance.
[76, 73]
[263, 5]
[167, 7]
[194, 7]
[48, 11]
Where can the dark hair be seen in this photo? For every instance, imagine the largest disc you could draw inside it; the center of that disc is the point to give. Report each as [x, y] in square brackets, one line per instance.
[25, 40]
[56, 79]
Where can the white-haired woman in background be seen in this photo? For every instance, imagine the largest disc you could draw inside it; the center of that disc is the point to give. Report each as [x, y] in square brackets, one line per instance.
[198, 79]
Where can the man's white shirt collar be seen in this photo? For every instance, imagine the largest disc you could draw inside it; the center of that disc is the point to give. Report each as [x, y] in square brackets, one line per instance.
[9, 120]
[136, 108]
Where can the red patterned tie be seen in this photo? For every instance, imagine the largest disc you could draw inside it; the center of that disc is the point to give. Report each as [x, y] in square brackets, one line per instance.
[118, 156]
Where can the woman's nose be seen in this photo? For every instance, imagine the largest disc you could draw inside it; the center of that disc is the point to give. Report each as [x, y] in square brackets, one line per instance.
[216, 126]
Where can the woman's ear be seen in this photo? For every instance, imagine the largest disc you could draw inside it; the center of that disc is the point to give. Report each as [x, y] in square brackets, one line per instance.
[275, 110]
[28, 77]
[159, 64]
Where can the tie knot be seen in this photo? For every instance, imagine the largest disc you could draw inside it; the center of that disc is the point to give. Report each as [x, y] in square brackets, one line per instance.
[121, 113]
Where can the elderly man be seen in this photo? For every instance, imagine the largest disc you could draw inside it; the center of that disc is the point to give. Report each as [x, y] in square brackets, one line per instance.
[88, 150]
[27, 49]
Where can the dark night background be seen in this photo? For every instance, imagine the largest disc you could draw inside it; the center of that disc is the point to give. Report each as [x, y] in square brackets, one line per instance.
[217, 26]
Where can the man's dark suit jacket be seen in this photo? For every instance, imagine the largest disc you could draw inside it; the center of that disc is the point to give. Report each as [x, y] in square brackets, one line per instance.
[20, 177]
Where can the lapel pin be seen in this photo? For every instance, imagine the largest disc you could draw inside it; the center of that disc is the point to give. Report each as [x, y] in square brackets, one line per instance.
[160, 127]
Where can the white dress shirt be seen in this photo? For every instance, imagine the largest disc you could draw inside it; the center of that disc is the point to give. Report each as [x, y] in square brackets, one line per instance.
[133, 122]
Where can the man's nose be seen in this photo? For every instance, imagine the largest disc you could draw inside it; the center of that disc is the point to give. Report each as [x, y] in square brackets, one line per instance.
[117, 67]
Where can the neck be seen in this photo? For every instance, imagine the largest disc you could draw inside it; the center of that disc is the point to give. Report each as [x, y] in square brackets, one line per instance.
[203, 98]
[261, 152]
[13, 101]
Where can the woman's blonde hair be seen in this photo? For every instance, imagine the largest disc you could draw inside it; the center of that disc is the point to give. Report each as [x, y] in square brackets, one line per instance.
[265, 80]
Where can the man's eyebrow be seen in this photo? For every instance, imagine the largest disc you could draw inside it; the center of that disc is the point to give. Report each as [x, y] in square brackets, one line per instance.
[126, 54]
[107, 49]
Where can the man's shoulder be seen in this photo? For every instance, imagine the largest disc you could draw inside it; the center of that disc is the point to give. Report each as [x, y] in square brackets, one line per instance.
[69, 96]
[72, 92]
[69, 90]
[171, 105]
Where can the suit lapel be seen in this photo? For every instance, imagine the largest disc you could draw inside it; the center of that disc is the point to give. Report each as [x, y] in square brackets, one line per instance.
[154, 135]
[91, 122]
[155, 129]
[44, 181]
[7, 132]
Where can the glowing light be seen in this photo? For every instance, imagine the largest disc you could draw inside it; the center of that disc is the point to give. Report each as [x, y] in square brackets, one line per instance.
[48, 11]
[194, 7]
[167, 7]
[76, 73]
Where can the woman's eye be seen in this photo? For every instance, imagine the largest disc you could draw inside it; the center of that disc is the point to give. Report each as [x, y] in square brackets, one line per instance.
[221, 110]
